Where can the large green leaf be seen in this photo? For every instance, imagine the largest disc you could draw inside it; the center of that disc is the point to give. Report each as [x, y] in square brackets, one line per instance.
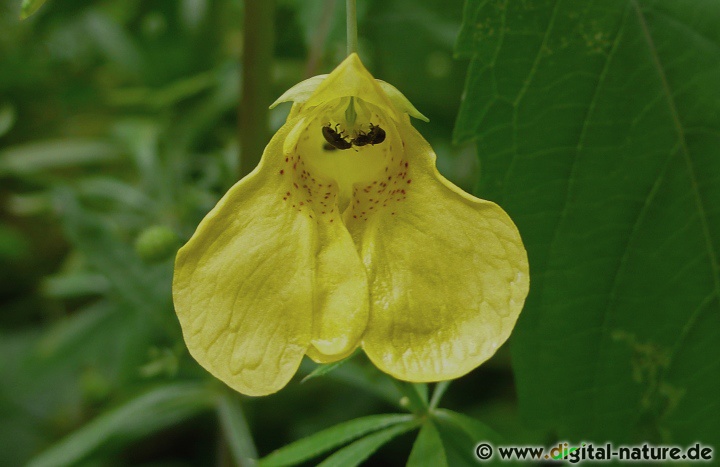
[598, 128]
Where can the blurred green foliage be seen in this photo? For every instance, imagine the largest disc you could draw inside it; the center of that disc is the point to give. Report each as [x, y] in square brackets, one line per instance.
[118, 132]
[596, 123]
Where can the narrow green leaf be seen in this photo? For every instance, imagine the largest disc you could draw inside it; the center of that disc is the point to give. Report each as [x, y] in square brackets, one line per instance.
[323, 441]
[37, 157]
[461, 435]
[29, 7]
[146, 414]
[69, 336]
[143, 288]
[7, 118]
[322, 370]
[74, 285]
[428, 448]
[236, 431]
[13, 245]
[422, 390]
[355, 453]
[164, 97]
[477, 430]
[459, 447]
[362, 374]
[115, 191]
[92, 349]
[30, 204]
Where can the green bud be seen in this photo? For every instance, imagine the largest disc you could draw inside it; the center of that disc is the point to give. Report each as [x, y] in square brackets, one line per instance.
[156, 243]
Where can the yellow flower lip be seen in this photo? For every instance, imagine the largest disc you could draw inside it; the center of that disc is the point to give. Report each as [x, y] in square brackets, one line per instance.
[320, 251]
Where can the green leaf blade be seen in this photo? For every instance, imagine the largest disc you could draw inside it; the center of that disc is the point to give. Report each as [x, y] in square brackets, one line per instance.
[355, 453]
[461, 435]
[323, 441]
[598, 132]
[41, 156]
[139, 417]
[236, 431]
[324, 369]
[477, 430]
[29, 7]
[428, 448]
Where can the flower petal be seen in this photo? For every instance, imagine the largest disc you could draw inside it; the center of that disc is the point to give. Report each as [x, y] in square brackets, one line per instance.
[301, 92]
[341, 296]
[351, 79]
[448, 274]
[401, 102]
[270, 274]
[348, 78]
[340, 293]
[241, 291]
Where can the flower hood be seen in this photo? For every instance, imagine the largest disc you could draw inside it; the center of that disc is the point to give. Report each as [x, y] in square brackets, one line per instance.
[325, 248]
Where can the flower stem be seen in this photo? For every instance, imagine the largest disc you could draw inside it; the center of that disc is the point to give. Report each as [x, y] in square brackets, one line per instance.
[440, 389]
[352, 35]
[352, 47]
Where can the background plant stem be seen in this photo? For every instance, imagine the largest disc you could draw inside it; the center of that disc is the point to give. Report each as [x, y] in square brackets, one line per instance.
[317, 45]
[258, 46]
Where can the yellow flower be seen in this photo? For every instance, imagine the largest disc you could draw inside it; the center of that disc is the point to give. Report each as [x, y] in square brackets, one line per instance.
[321, 250]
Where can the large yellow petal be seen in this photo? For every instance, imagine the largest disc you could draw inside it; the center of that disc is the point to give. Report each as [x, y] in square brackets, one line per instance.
[340, 294]
[269, 274]
[241, 291]
[448, 272]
